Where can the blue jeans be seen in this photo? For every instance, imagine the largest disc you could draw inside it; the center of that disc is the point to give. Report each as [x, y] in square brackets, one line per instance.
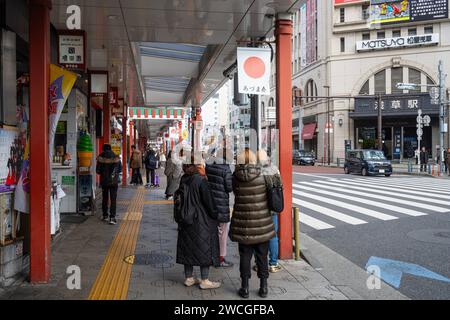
[273, 244]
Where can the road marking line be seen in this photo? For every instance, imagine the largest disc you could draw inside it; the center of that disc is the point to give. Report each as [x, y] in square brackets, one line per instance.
[349, 206]
[351, 182]
[318, 175]
[314, 223]
[365, 201]
[401, 186]
[329, 212]
[395, 194]
[379, 197]
[417, 185]
[113, 280]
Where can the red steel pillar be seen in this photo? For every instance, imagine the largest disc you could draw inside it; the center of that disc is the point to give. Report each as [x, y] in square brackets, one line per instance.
[283, 33]
[106, 121]
[39, 46]
[124, 149]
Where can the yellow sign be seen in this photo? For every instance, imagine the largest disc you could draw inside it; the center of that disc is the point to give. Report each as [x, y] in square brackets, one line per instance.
[185, 134]
[116, 143]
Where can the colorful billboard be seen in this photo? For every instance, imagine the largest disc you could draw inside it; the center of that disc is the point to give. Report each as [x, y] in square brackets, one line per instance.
[398, 11]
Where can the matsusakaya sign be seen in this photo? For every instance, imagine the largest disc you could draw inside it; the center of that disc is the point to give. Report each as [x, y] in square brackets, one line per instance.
[397, 43]
[254, 70]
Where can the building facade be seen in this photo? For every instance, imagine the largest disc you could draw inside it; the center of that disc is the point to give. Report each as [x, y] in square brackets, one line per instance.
[353, 52]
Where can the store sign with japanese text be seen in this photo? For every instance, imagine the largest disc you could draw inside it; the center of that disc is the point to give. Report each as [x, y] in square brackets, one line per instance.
[398, 43]
[398, 11]
[254, 69]
[396, 105]
[72, 49]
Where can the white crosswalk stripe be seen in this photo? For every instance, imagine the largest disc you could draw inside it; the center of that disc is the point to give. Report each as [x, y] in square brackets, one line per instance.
[329, 203]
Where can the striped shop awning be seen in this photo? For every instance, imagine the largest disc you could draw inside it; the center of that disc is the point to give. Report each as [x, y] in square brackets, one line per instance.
[155, 113]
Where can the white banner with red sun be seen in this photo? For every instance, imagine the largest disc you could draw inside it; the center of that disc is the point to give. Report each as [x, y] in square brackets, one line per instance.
[254, 70]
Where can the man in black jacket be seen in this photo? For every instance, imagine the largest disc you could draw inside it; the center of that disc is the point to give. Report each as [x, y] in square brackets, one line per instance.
[108, 167]
[151, 164]
[423, 160]
[219, 177]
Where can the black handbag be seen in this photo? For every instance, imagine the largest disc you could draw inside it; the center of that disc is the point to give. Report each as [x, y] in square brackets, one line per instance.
[275, 197]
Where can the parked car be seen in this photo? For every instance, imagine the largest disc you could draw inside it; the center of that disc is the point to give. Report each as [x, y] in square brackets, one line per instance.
[302, 157]
[367, 162]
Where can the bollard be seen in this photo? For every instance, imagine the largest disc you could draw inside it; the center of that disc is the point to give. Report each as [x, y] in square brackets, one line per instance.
[432, 171]
[297, 233]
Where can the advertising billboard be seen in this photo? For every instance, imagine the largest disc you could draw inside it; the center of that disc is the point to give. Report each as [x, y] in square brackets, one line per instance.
[398, 11]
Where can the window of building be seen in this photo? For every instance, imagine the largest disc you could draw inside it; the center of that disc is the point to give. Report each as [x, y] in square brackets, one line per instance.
[381, 35]
[380, 82]
[342, 15]
[342, 44]
[412, 31]
[396, 77]
[430, 81]
[365, 11]
[271, 101]
[366, 36]
[263, 110]
[365, 88]
[396, 33]
[428, 29]
[415, 77]
[311, 91]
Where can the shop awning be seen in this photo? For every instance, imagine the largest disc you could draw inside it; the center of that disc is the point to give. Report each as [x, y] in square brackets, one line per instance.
[309, 131]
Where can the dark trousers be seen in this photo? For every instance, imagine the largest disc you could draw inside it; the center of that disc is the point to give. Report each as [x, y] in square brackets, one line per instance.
[423, 167]
[189, 272]
[109, 193]
[136, 177]
[261, 251]
[150, 173]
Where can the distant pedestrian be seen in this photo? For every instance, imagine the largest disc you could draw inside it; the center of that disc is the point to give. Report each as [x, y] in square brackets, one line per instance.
[251, 224]
[196, 215]
[220, 182]
[136, 166]
[151, 164]
[109, 167]
[423, 160]
[173, 172]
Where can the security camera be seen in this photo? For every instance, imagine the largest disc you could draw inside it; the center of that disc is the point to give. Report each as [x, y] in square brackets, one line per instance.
[229, 72]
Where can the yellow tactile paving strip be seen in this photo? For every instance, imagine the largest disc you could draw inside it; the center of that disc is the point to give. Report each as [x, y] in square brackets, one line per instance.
[148, 202]
[114, 277]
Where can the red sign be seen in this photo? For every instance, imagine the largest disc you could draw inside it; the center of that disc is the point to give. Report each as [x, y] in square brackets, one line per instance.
[113, 95]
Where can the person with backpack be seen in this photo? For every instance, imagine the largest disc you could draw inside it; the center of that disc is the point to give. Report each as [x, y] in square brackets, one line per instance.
[108, 167]
[251, 224]
[136, 165]
[196, 215]
[151, 164]
[220, 182]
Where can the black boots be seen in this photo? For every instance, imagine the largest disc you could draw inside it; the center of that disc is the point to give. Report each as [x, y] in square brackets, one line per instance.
[263, 290]
[243, 291]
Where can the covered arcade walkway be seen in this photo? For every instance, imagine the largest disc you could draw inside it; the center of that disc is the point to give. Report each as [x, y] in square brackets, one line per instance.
[158, 54]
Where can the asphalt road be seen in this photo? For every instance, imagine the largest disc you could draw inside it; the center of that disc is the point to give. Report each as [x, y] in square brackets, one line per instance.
[401, 218]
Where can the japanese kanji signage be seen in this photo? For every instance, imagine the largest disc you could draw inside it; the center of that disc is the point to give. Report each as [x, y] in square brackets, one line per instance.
[254, 70]
[395, 105]
[72, 49]
[397, 43]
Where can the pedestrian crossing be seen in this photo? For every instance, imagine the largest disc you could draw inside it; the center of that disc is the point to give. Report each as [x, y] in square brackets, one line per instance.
[330, 202]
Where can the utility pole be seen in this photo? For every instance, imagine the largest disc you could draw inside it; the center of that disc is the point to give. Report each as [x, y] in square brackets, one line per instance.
[328, 125]
[380, 123]
[441, 112]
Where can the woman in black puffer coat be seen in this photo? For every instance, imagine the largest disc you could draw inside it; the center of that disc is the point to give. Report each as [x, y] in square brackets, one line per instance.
[198, 243]
[251, 225]
[220, 182]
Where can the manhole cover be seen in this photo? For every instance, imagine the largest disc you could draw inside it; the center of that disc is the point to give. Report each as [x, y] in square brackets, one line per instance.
[148, 259]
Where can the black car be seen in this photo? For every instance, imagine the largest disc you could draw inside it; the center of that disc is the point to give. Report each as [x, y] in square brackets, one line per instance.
[303, 158]
[367, 162]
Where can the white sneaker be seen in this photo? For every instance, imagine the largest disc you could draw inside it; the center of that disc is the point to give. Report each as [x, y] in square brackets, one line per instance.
[189, 282]
[207, 284]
